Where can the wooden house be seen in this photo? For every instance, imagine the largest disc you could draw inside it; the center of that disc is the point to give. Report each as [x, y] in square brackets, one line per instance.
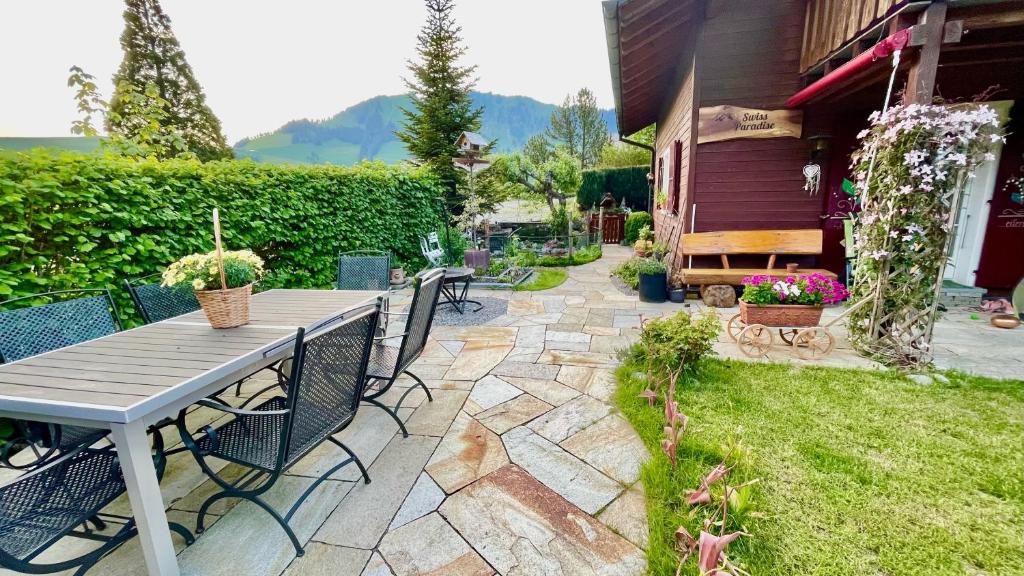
[747, 93]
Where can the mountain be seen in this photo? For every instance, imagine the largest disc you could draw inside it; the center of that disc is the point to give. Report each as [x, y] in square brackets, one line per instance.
[366, 131]
[76, 143]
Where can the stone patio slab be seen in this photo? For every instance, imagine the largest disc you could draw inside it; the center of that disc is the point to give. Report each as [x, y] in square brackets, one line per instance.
[469, 451]
[611, 446]
[488, 392]
[508, 415]
[627, 516]
[573, 479]
[597, 382]
[476, 360]
[521, 527]
[434, 418]
[430, 547]
[526, 370]
[423, 499]
[326, 560]
[362, 518]
[549, 391]
[377, 567]
[591, 359]
[569, 418]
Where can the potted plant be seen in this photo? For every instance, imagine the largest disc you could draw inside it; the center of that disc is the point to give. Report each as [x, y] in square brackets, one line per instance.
[659, 250]
[645, 242]
[791, 301]
[653, 280]
[222, 282]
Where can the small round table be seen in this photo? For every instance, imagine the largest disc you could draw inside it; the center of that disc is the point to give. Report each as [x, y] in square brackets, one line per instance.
[452, 295]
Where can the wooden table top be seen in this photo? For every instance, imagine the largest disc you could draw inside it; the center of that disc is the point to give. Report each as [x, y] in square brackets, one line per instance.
[126, 375]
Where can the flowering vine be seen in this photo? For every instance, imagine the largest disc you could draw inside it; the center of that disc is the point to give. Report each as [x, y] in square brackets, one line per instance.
[910, 170]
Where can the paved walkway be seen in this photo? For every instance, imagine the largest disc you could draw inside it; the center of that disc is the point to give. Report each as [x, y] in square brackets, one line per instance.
[519, 466]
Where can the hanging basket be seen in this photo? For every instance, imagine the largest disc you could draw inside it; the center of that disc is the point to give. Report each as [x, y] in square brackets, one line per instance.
[794, 315]
[226, 308]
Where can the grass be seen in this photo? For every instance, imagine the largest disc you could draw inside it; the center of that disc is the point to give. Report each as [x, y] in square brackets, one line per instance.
[543, 279]
[861, 472]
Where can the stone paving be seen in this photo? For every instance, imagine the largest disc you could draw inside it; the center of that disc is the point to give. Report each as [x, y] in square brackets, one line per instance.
[521, 465]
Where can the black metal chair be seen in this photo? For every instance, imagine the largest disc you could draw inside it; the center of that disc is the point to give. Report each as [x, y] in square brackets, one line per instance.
[364, 270]
[388, 362]
[58, 500]
[32, 325]
[326, 383]
[156, 302]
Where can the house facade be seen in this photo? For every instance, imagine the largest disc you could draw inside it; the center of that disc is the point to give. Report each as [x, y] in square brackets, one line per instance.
[758, 105]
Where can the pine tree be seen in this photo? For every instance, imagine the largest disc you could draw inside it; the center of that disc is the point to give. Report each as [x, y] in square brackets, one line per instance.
[153, 59]
[439, 87]
[578, 126]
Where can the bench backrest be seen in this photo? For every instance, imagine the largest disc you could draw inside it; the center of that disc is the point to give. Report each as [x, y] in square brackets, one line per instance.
[753, 242]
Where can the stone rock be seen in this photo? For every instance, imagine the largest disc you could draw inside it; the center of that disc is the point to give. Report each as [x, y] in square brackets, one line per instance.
[611, 446]
[549, 391]
[531, 337]
[434, 418]
[590, 359]
[524, 370]
[423, 499]
[524, 307]
[573, 479]
[325, 560]
[489, 392]
[719, 296]
[597, 382]
[627, 516]
[365, 514]
[469, 451]
[922, 379]
[579, 337]
[569, 418]
[508, 415]
[430, 547]
[377, 567]
[476, 359]
[521, 528]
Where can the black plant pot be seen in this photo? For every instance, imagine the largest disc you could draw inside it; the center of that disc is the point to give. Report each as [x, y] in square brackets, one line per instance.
[653, 287]
[677, 295]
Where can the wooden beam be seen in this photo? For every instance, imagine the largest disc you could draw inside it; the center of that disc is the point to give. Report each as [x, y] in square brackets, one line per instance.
[921, 80]
[984, 18]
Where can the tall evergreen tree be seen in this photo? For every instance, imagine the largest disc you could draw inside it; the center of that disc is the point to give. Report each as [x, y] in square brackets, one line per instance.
[578, 127]
[439, 87]
[153, 59]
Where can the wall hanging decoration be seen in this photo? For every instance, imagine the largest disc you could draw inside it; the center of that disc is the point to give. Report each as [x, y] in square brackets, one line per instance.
[812, 178]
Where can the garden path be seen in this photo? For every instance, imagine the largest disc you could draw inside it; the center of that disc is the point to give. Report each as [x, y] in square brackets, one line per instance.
[521, 464]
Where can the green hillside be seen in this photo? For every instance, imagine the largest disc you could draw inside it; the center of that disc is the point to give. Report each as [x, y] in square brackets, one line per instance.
[366, 131]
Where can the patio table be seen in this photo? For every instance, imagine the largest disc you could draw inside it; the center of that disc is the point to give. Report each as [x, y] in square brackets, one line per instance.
[130, 380]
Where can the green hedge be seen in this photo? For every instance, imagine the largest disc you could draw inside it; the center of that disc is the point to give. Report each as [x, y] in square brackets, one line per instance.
[629, 183]
[78, 221]
[634, 222]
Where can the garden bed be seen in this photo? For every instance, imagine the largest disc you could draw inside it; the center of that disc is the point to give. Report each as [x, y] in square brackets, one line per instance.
[505, 281]
[860, 472]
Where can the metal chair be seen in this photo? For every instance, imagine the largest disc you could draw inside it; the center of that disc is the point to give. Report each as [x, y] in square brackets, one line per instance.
[60, 499]
[156, 302]
[430, 246]
[326, 383]
[364, 270]
[56, 320]
[388, 362]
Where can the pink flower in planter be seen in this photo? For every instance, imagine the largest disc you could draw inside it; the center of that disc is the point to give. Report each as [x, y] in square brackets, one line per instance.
[709, 554]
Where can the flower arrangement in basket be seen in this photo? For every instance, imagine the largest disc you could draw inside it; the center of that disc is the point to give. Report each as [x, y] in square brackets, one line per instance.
[790, 301]
[222, 281]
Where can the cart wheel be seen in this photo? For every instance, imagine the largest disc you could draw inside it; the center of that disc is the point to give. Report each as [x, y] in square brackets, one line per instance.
[755, 340]
[787, 334]
[813, 343]
[736, 324]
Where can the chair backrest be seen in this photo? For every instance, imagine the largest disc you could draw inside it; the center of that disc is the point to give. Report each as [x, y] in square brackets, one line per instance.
[59, 319]
[421, 316]
[328, 375]
[156, 302]
[364, 270]
[430, 246]
[753, 242]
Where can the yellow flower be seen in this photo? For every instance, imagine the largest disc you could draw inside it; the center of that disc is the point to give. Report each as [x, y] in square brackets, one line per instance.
[198, 284]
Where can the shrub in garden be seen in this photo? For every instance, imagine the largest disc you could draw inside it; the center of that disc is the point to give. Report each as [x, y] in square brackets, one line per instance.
[634, 222]
[629, 183]
[679, 341]
[77, 221]
[629, 272]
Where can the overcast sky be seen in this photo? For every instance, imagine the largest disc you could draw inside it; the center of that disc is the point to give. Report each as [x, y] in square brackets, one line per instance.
[265, 62]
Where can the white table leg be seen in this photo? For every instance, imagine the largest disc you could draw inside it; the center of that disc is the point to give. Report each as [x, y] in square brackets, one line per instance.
[144, 493]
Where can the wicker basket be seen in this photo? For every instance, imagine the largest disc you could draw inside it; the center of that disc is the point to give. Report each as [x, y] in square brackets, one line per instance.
[780, 315]
[226, 308]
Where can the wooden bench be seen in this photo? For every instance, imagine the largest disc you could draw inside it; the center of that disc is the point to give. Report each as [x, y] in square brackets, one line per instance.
[770, 242]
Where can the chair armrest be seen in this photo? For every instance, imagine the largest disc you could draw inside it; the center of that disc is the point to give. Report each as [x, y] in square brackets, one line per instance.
[389, 313]
[238, 411]
[382, 338]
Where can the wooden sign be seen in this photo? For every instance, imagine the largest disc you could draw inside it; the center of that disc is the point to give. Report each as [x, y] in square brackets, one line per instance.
[730, 122]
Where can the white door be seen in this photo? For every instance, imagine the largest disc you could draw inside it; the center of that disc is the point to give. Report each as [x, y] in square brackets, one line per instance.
[965, 253]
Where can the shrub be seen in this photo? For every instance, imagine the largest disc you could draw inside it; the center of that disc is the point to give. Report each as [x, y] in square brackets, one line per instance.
[634, 222]
[77, 221]
[581, 256]
[629, 183]
[629, 272]
[678, 341]
[651, 266]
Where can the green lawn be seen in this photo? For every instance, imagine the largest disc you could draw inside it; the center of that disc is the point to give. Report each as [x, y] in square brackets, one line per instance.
[861, 472]
[543, 278]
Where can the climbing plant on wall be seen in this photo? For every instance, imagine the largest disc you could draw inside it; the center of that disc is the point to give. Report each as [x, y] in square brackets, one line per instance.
[911, 170]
